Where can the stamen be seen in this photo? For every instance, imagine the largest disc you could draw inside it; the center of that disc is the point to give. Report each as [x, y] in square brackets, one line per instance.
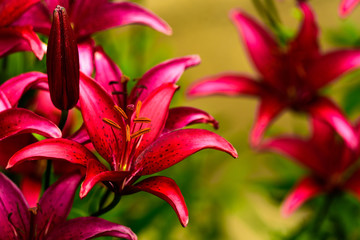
[111, 123]
[124, 78]
[119, 110]
[140, 132]
[118, 93]
[113, 82]
[128, 135]
[138, 107]
[142, 120]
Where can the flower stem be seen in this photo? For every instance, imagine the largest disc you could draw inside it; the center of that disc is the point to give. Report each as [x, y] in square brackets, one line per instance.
[63, 118]
[104, 210]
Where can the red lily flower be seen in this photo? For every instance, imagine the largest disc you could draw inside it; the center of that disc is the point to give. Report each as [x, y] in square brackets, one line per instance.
[89, 17]
[346, 7]
[290, 77]
[19, 37]
[329, 159]
[132, 139]
[48, 219]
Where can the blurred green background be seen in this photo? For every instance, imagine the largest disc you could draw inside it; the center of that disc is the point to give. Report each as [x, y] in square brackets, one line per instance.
[236, 199]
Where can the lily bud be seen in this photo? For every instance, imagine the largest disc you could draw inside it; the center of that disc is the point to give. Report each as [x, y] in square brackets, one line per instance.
[62, 62]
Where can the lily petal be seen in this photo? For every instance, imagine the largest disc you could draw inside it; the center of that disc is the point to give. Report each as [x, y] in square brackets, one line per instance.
[306, 41]
[180, 117]
[90, 227]
[15, 39]
[13, 207]
[11, 10]
[96, 104]
[166, 189]
[226, 84]
[166, 72]
[81, 135]
[19, 120]
[31, 189]
[268, 110]
[102, 14]
[4, 102]
[304, 190]
[175, 146]
[261, 46]
[15, 87]
[299, 150]
[96, 172]
[56, 203]
[156, 108]
[54, 149]
[346, 7]
[331, 66]
[108, 74]
[86, 56]
[327, 111]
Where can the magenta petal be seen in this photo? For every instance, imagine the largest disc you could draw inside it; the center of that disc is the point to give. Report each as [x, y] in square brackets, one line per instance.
[86, 56]
[97, 104]
[19, 120]
[180, 117]
[156, 108]
[226, 84]
[299, 150]
[166, 72]
[175, 146]
[10, 10]
[108, 74]
[14, 207]
[15, 39]
[81, 135]
[346, 6]
[261, 46]
[88, 228]
[268, 110]
[96, 172]
[331, 66]
[56, 203]
[304, 190]
[306, 42]
[99, 15]
[166, 189]
[327, 111]
[31, 188]
[15, 87]
[55, 149]
[4, 102]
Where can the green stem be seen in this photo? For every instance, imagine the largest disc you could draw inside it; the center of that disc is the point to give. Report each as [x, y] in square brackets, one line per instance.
[321, 215]
[104, 198]
[113, 204]
[63, 118]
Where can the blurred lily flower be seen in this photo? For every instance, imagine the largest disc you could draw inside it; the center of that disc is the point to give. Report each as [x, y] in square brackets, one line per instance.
[330, 160]
[89, 17]
[291, 77]
[62, 62]
[18, 37]
[133, 140]
[346, 7]
[48, 219]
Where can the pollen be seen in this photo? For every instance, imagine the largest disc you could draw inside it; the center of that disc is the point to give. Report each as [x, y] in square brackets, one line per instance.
[111, 123]
[140, 132]
[124, 78]
[142, 120]
[138, 108]
[128, 134]
[119, 110]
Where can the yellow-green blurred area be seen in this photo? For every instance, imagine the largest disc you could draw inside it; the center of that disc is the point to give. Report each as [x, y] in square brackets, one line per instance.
[235, 199]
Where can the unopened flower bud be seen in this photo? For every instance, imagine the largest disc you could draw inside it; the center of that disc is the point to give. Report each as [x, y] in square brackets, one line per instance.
[62, 62]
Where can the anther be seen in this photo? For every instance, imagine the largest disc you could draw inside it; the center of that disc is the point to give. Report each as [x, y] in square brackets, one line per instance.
[142, 120]
[140, 132]
[130, 107]
[138, 107]
[111, 123]
[119, 110]
[124, 78]
[113, 82]
[128, 135]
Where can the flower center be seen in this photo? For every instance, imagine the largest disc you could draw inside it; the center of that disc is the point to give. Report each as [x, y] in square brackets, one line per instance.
[131, 138]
